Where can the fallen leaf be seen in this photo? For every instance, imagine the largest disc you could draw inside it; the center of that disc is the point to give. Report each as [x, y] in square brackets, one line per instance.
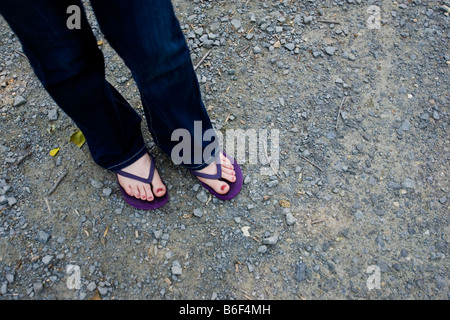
[285, 203]
[100, 42]
[53, 152]
[78, 138]
[96, 296]
[245, 231]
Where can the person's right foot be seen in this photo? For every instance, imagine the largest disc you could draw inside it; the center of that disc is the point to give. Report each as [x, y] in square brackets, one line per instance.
[138, 189]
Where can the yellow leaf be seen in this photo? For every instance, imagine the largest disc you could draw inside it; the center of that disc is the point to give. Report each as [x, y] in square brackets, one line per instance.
[285, 203]
[54, 152]
[96, 296]
[78, 138]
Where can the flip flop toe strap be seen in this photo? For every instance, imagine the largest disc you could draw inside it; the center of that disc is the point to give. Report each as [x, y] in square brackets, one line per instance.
[216, 176]
[134, 177]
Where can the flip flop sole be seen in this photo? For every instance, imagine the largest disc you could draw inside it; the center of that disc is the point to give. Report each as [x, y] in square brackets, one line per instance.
[157, 202]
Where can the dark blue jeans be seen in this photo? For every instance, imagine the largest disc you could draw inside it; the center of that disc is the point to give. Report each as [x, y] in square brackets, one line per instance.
[147, 36]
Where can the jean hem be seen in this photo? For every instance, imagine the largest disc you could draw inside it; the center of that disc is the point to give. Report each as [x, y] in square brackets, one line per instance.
[128, 161]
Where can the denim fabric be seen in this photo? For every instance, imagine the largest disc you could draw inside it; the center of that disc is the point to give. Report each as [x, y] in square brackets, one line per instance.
[147, 36]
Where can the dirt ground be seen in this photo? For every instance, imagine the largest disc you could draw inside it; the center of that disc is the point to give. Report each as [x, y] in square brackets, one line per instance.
[358, 208]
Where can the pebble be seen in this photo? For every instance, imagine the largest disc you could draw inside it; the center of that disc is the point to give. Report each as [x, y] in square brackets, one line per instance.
[262, 249]
[19, 100]
[53, 114]
[198, 212]
[270, 240]
[256, 50]
[176, 268]
[290, 219]
[91, 286]
[46, 260]
[202, 196]
[43, 237]
[330, 50]
[300, 272]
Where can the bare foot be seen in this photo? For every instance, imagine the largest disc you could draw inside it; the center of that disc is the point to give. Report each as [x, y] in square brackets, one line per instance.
[138, 189]
[221, 187]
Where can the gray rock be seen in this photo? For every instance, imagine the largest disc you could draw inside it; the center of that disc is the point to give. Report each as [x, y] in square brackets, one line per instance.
[158, 234]
[43, 237]
[290, 219]
[10, 278]
[12, 201]
[176, 268]
[236, 24]
[202, 196]
[47, 259]
[262, 249]
[96, 184]
[290, 46]
[308, 19]
[256, 50]
[330, 50]
[300, 272]
[19, 100]
[270, 240]
[37, 287]
[91, 286]
[53, 114]
[198, 212]
[409, 183]
[3, 200]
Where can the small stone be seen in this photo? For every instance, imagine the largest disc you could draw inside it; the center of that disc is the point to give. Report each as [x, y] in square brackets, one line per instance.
[3, 200]
[198, 212]
[262, 249]
[436, 115]
[176, 268]
[409, 183]
[290, 219]
[317, 54]
[107, 192]
[330, 50]
[270, 240]
[37, 287]
[300, 272]
[202, 196]
[53, 114]
[103, 291]
[10, 278]
[43, 237]
[47, 259]
[308, 19]
[158, 234]
[19, 100]
[257, 50]
[96, 184]
[236, 24]
[290, 46]
[91, 286]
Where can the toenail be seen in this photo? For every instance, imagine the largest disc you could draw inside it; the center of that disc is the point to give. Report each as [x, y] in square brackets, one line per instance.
[159, 190]
[223, 187]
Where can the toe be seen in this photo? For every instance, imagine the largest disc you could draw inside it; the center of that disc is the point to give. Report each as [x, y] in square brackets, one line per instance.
[159, 189]
[148, 192]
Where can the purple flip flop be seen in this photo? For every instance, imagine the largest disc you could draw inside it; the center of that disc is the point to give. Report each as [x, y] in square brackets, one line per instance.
[235, 187]
[138, 203]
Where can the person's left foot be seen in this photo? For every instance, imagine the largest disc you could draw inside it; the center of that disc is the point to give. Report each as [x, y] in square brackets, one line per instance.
[228, 174]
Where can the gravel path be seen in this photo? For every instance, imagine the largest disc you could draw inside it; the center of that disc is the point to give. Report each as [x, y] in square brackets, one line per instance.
[358, 209]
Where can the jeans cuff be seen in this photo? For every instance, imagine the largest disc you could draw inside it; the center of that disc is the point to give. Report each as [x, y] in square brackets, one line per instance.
[129, 160]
